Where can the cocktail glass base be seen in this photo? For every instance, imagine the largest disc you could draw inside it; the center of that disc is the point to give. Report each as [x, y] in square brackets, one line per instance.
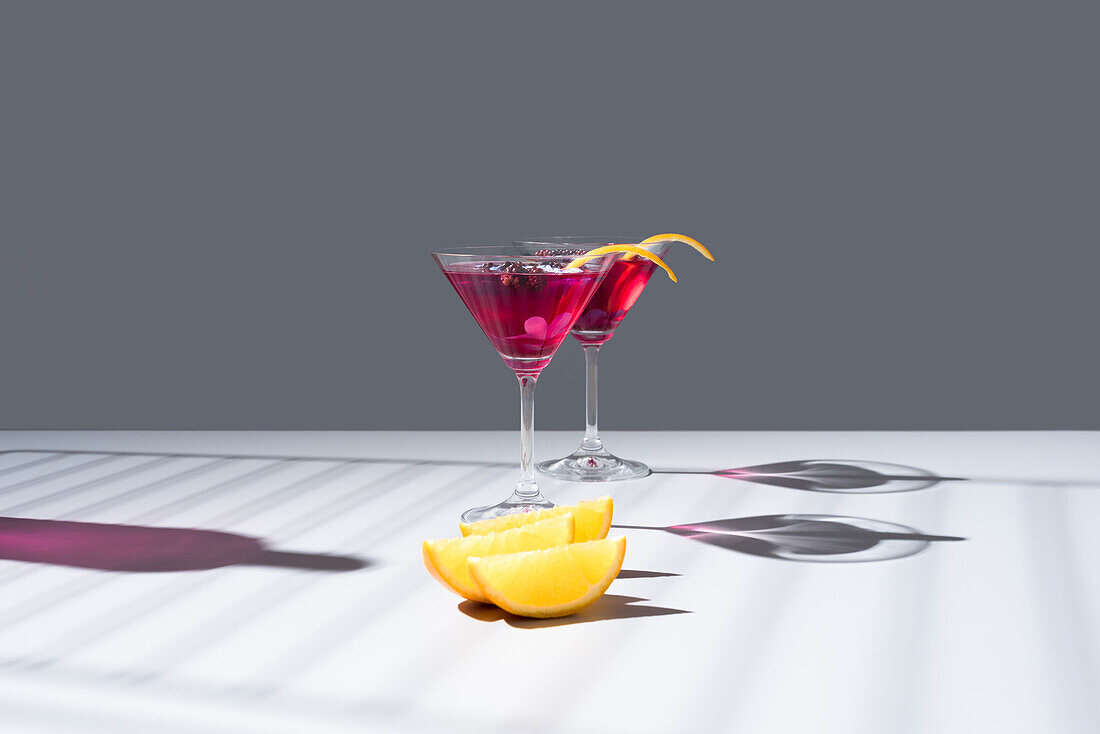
[510, 506]
[593, 466]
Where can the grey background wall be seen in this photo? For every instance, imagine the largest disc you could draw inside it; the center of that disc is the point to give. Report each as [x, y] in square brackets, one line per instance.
[217, 215]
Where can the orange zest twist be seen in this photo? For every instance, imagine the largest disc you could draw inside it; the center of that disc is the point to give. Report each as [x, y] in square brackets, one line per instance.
[631, 249]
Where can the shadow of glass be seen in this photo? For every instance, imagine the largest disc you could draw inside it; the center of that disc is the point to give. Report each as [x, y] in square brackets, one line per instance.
[306, 561]
[815, 475]
[607, 607]
[137, 548]
[50, 454]
[814, 538]
[828, 475]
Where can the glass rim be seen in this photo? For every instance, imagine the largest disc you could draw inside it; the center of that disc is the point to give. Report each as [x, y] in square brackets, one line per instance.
[582, 240]
[512, 251]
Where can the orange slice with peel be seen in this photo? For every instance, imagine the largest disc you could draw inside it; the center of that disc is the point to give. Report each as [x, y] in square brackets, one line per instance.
[592, 519]
[549, 583]
[446, 559]
[672, 237]
[631, 249]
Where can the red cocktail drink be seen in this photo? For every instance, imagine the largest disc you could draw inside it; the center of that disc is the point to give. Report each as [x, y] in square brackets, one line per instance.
[612, 300]
[524, 310]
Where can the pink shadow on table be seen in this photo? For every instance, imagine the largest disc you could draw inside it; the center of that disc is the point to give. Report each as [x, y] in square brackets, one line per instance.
[830, 475]
[148, 549]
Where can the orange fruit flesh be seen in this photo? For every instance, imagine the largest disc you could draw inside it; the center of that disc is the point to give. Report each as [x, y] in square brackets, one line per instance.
[549, 583]
[446, 559]
[592, 519]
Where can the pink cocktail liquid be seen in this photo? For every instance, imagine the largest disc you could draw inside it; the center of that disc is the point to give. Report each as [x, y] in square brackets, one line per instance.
[525, 315]
[612, 300]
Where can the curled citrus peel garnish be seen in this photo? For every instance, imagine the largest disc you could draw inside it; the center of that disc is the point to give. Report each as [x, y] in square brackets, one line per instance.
[672, 237]
[631, 249]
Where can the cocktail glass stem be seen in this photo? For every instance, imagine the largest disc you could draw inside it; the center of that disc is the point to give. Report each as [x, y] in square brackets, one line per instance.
[527, 490]
[591, 441]
[591, 462]
[526, 497]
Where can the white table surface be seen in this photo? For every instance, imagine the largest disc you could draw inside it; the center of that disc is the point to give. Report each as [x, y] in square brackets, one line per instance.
[999, 632]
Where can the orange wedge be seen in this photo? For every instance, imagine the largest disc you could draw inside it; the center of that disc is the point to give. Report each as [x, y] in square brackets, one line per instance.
[592, 519]
[631, 249]
[681, 238]
[446, 559]
[549, 583]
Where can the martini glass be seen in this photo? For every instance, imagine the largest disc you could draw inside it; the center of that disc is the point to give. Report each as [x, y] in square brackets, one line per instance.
[615, 296]
[525, 304]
